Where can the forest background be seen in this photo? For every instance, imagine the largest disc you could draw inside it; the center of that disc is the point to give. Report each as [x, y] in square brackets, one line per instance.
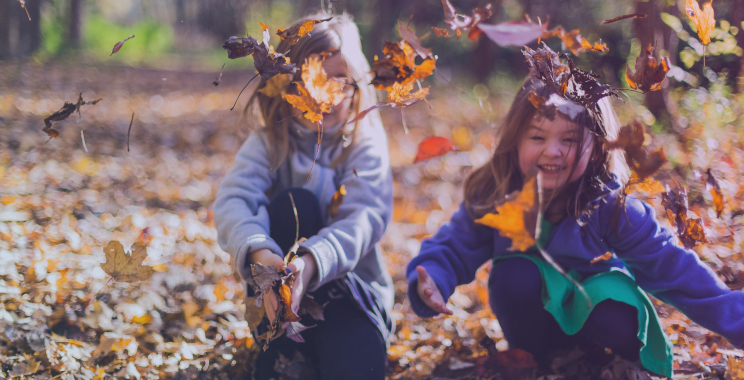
[62, 200]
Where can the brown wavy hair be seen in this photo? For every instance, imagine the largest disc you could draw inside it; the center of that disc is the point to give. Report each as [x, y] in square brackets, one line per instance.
[489, 184]
[272, 116]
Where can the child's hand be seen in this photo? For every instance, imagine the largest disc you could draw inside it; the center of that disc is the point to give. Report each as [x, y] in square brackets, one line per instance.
[266, 257]
[304, 267]
[429, 292]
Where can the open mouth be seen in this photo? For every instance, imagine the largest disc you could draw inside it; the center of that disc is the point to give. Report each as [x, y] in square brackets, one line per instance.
[550, 168]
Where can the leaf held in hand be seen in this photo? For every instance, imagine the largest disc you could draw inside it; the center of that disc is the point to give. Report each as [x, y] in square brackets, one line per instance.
[120, 44]
[338, 198]
[516, 217]
[298, 30]
[285, 299]
[263, 278]
[317, 94]
[309, 306]
[433, 147]
[649, 73]
[123, 267]
[703, 18]
[715, 190]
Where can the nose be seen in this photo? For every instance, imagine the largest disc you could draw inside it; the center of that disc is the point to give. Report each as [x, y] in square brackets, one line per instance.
[554, 149]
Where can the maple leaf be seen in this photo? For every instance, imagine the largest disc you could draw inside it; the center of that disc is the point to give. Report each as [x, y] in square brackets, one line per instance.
[649, 186]
[399, 66]
[120, 44]
[317, 94]
[63, 113]
[338, 198]
[399, 96]
[689, 230]
[715, 190]
[624, 17]
[409, 36]
[649, 72]
[513, 33]
[574, 41]
[515, 217]
[276, 86]
[703, 18]
[631, 138]
[126, 268]
[298, 30]
[439, 32]
[470, 23]
[433, 147]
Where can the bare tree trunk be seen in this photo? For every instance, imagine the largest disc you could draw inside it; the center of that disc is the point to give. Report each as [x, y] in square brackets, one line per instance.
[29, 31]
[74, 25]
[737, 19]
[388, 12]
[5, 15]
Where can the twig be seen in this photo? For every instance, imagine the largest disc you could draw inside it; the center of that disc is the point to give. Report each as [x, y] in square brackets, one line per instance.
[99, 290]
[241, 91]
[297, 218]
[545, 254]
[450, 83]
[317, 150]
[287, 118]
[403, 120]
[219, 77]
[130, 130]
[82, 136]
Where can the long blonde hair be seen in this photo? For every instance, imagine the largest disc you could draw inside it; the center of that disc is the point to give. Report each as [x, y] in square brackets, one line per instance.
[272, 115]
[489, 184]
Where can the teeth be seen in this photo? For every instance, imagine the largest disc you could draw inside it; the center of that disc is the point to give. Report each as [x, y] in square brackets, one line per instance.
[550, 168]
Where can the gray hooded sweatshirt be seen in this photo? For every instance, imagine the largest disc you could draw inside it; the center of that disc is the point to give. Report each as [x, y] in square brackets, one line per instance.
[348, 246]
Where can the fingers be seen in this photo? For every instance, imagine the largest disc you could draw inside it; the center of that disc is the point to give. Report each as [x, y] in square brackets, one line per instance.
[422, 273]
[296, 266]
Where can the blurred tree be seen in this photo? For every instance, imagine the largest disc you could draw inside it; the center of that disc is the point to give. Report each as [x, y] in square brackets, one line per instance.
[74, 23]
[223, 18]
[737, 20]
[19, 36]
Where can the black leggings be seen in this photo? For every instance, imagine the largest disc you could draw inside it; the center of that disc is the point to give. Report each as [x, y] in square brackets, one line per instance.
[346, 345]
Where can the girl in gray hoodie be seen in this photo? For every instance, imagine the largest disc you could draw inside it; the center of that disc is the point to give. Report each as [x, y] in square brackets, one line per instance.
[340, 264]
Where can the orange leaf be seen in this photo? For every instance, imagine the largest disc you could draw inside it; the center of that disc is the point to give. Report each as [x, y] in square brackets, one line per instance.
[703, 18]
[649, 186]
[605, 257]
[690, 231]
[439, 32]
[409, 36]
[399, 66]
[298, 30]
[574, 41]
[285, 299]
[433, 147]
[459, 21]
[715, 190]
[317, 94]
[649, 72]
[513, 218]
[338, 198]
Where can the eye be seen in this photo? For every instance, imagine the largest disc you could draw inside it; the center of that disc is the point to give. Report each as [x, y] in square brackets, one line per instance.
[536, 138]
[571, 140]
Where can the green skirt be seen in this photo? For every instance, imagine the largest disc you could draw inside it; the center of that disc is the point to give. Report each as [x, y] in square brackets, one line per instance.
[570, 309]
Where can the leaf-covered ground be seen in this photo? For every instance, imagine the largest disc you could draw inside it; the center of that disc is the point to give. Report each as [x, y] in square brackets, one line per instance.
[61, 317]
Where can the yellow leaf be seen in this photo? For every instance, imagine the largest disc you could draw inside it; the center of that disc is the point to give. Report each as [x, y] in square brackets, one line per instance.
[704, 19]
[317, 94]
[510, 218]
[338, 198]
[142, 320]
[298, 30]
[277, 85]
[189, 309]
[123, 267]
[649, 186]
[401, 95]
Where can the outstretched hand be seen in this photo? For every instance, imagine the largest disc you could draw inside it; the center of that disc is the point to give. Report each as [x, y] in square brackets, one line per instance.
[429, 292]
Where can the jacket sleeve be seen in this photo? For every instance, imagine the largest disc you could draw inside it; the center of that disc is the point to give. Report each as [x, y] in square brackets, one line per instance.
[451, 258]
[240, 208]
[364, 213]
[673, 274]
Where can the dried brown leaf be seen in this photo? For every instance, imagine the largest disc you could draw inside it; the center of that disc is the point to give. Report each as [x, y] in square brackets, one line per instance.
[123, 267]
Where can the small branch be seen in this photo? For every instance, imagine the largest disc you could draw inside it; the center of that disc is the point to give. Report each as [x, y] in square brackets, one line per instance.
[297, 218]
[241, 91]
[287, 118]
[82, 136]
[130, 130]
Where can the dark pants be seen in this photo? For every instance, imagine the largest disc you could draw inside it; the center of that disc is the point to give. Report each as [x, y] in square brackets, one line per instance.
[346, 345]
[515, 289]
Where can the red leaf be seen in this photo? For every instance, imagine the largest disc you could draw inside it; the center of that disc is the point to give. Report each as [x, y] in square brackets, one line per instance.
[120, 44]
[433, 147]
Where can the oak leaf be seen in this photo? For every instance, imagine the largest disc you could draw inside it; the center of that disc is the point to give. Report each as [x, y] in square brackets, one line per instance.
[399, 66]
[631, 138]
[120, 44]
[516, 217]
[649, 73]
[317, 94]
[433, 147]
[338, 198]
[298, 30]
[123, 267]
[703, 18]
[715, 190]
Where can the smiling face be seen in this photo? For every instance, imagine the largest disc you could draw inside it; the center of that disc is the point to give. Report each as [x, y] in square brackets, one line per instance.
[336, 69]
[549, 147]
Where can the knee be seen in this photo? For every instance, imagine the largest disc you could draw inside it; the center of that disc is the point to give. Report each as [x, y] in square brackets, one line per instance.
[516, 279]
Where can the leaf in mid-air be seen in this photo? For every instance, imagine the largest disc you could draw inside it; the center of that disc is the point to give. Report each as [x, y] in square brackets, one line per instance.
[399, 66]
[267, 63]
[439, 32]
[433, 147]
[703, 18]
[574, 41]
[516, 217]
[649, 186]
[317, 94]
[624, 17]
[689, 230]
[338, 198]
[265, 34]
[120, 44]
[123, 267]
[631, 138]
[298, 30]
[65, 112]
[715, 190]
[276, 86]
[649, 73]
[605, 257]
[399, 96]
[409, 36]
[470, 23]
[513, 33]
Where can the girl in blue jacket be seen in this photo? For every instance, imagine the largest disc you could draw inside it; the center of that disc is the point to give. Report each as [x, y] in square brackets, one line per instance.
[537, 308]
[340, 264]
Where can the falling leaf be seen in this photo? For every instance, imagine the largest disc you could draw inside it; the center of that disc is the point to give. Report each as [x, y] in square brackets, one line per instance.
[439, 32]
[555, 103]
[624, 17]
[433, 147]
[120, 44]
[649, 186]
[574, 41]
[649, 72]
[317, 94]
[399, 96]
[689, 230]
[265, 34]
[298, 30]
[631, 138]
[513, 33]
[470, 23]
[266, 63]
[703, 18]
[409, 36]
[546, 66]
[516, 217]
[276, 86]
[219, 77]
[605, 257]
[63, 113]
[123, 267]
[715, 190]
[338, 198]
[399, 66]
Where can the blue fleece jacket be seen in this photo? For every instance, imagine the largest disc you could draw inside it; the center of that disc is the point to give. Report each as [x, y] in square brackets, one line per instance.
[640, 247]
